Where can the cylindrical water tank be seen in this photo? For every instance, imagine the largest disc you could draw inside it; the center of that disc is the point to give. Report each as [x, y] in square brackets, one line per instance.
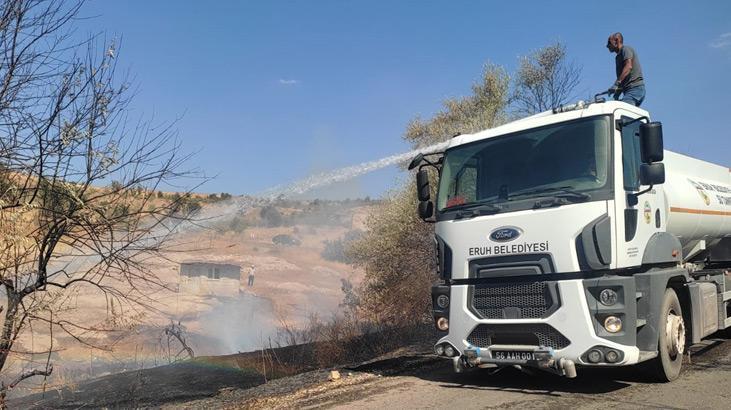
[698, 198]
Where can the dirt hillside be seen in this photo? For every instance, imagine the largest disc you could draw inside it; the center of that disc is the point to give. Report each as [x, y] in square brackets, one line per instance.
[293, 281]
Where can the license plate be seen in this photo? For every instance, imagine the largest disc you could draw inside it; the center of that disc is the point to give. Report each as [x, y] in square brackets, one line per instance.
[513, 355]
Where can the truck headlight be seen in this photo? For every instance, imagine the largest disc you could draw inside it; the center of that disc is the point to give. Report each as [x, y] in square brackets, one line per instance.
[443, 301]
[608, 297]
[613, 324]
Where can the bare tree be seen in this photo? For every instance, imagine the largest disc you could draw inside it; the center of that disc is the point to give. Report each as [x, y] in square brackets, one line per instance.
[545, 80]
[65, 136]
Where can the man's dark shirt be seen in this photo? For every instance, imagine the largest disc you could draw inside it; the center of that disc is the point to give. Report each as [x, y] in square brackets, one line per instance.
[634, 78]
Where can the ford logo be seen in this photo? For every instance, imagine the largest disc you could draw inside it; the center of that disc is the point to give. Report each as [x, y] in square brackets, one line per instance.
[505, 234]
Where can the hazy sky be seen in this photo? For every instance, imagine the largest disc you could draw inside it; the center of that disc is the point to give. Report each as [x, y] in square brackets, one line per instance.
[272, 91]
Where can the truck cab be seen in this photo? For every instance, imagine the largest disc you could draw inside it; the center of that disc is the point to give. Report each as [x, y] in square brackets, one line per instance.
[558, 246]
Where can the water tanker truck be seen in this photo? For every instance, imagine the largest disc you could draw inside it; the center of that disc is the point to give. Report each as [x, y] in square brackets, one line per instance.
[572, 239]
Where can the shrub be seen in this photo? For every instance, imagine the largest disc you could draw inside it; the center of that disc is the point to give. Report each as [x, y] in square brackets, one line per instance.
[185, 204]
[271, 216]
[287, 240]
[237, 224]
[397, 254]
[335, 250]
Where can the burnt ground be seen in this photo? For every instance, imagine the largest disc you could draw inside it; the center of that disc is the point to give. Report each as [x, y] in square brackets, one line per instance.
[420, 380]
[210, 376]
[178, 382]
[148, 387]
[409, 377]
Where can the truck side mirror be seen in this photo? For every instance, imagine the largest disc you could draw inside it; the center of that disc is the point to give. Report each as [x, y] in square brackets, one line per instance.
[651, 146]
[426, 209]
[652, 174]
[416, 161]
[422, 185]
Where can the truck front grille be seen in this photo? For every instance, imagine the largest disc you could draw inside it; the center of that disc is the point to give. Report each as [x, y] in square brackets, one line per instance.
[533, 334]
[528, 300]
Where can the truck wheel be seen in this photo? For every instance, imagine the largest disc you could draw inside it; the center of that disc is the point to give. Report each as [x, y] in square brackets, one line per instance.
[671, 339]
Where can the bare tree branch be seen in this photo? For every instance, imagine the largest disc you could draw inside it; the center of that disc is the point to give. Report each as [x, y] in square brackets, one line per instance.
[25, 375]
[176, 331]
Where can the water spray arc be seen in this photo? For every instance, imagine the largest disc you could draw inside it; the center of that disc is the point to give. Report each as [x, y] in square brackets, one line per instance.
[344, 174]
[241, 204]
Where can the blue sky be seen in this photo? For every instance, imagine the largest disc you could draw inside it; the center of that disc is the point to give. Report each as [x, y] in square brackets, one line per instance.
[271, 91]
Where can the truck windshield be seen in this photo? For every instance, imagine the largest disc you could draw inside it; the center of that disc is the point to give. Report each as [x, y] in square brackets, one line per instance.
[543, 161]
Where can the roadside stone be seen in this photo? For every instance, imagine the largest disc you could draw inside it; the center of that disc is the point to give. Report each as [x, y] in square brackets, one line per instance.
[334, 375]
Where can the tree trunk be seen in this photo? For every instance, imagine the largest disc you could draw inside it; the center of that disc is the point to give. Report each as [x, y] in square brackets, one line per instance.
[7, 337]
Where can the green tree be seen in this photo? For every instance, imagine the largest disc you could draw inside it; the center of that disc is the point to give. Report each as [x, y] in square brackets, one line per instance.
[484, 108]
[397, 254]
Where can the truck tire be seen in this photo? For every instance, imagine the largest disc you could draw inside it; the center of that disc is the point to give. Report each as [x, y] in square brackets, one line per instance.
[671, 339]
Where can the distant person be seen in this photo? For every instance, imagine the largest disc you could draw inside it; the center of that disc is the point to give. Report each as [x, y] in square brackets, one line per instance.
[251, 276]
[629, 84]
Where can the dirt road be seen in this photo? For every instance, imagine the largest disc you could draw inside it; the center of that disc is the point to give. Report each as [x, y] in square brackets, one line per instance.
[426, 382]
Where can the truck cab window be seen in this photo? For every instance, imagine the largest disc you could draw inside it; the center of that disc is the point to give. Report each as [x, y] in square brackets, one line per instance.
[464, 187]
[631, 158]
[564, 156]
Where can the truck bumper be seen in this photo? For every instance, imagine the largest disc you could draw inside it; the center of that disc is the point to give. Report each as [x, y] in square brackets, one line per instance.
[572, 320]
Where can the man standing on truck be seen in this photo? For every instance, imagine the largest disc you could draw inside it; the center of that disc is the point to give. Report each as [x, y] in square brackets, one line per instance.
[630, 83]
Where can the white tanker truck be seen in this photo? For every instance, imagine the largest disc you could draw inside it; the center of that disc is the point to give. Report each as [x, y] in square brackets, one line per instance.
[572, 239]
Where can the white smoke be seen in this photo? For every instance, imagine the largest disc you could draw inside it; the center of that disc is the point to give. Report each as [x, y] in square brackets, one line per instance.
[241, 324]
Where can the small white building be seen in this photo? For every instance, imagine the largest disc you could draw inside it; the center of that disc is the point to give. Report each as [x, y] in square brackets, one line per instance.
[206, 278]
